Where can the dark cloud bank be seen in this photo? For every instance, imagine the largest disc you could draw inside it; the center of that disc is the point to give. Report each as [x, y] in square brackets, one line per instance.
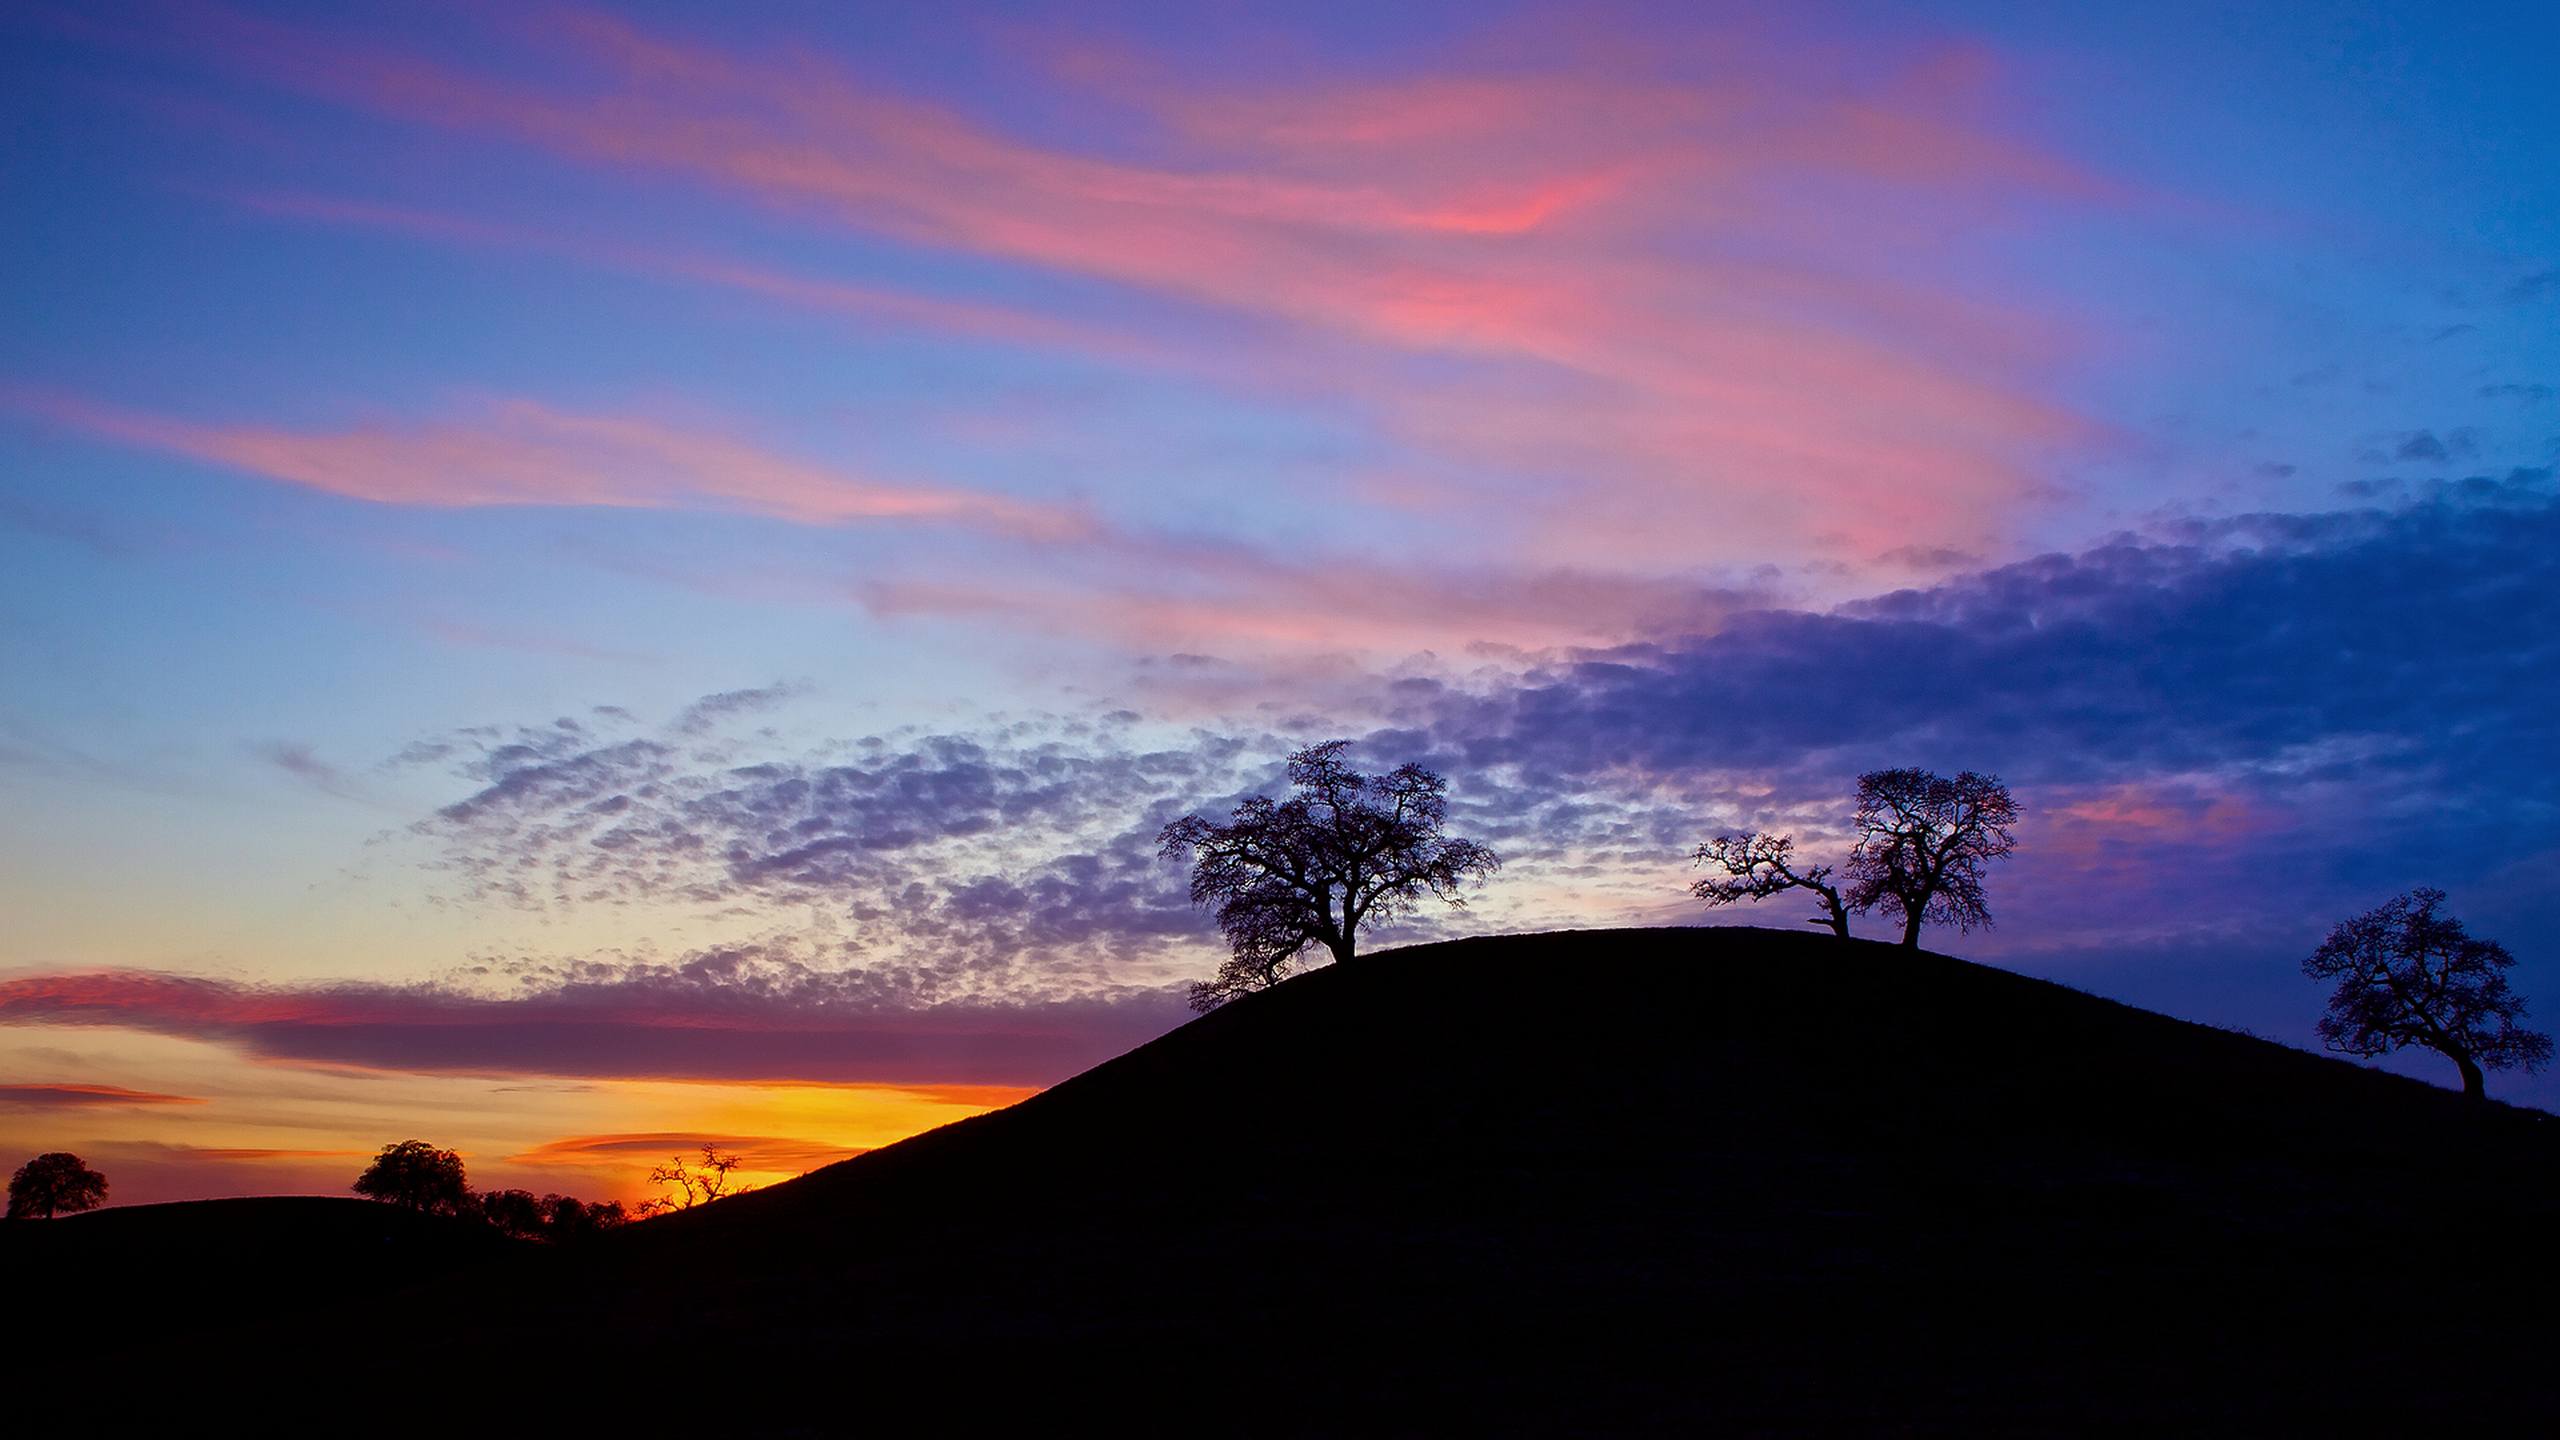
[747, 1013]
[2228, 734]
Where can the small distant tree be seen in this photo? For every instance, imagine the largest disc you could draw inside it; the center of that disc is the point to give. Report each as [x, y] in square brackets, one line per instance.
[1346, 850]
[2410, 975]
[516, 1213]
[1757, 866]
[1922, 842]
[568, 1219]
[415, 1175]
[55, 1183]
[688, 1185]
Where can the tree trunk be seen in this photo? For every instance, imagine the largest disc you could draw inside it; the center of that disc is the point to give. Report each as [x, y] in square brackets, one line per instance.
[1341, 949]
[2473, 1087]
[1911, 919]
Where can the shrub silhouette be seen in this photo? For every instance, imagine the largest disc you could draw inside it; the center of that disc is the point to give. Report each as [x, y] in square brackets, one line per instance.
[1311, 870]
[55, 1183]
[523, 1215]
[2408, 975]
[567, 1219]
[1922, 841]
[516, 1213]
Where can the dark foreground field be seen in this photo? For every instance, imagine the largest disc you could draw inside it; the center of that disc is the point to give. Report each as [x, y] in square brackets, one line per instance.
[1671, 1179]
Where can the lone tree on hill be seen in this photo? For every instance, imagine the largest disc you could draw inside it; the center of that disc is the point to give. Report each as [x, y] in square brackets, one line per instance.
[2408, 975]
[55, 1183]
[415, 1175]
[1311, 870]
[1757, 866]
[1922, 841]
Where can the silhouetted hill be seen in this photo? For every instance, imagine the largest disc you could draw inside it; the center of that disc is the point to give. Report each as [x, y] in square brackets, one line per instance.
[139, 1274]
[1671, 1179]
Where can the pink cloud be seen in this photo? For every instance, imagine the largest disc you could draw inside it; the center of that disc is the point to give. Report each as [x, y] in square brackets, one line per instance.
[1009, 325]
[1567, 218]
[1176, 594]
[522, 452]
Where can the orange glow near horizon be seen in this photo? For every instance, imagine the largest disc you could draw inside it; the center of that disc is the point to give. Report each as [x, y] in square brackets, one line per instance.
[186, 1120]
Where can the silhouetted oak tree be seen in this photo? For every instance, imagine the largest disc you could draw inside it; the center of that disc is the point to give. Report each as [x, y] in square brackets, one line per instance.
[415, 1175]
[1922, 841]
[1757, 866]
[55, 1183]
[688, 1185]
[2408, 975]
[1311, 870]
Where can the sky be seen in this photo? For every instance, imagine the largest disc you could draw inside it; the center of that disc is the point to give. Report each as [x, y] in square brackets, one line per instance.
[576, 582]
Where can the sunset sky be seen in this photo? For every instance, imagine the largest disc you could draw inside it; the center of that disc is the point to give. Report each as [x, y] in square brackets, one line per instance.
[579, 581]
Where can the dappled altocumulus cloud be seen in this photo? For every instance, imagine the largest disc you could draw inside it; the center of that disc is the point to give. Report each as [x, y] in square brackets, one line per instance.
[2192, 713]
[2419, 637]
[2219, 729]
[2273, 686]
[1016, 860]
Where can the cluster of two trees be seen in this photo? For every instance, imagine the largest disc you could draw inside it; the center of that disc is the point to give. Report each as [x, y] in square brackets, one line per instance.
[1291, 875]
[1288, 876]
[1922, 840]
[2408, 975]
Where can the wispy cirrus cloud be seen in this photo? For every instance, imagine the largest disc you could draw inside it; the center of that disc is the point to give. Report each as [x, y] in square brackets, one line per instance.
[905, 309]
[1065, 569]
[61, 1097]
[1680, 280]
[523, 452]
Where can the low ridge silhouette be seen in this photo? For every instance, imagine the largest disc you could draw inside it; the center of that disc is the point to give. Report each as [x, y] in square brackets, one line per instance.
[1596, 1180]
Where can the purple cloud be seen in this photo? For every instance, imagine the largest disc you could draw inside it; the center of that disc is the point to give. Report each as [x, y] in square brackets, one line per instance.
[737, 1014]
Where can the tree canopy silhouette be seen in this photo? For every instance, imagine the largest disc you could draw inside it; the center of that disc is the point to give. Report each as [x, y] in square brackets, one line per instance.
[1310, 870]
[1757, 866]
[523, 1215]
[2410, 975]
[415, 1175]
[518, 1214]
[55, 1183]
[566, 1218]
[1922, 841]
